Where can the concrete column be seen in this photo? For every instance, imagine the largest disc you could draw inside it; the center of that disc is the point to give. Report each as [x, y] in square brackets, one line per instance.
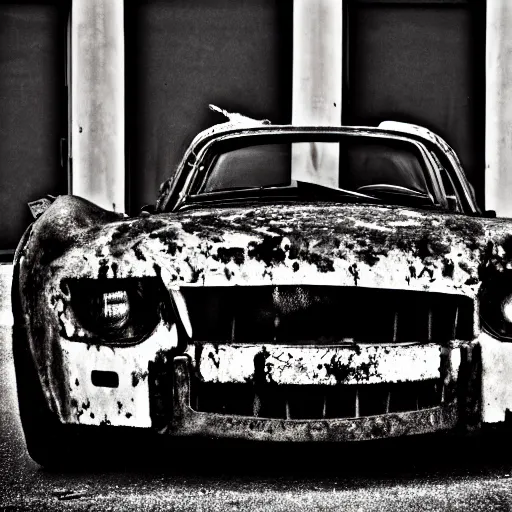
[97, 102]
[498, 124]
[317, 84]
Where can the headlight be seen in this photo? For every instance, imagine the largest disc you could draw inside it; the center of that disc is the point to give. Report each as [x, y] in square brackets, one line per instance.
[506, 309]
[114, 311]
[496, 306]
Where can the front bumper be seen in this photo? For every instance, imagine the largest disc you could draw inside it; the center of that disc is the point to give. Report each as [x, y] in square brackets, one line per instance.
[162, 396]
[188, 422]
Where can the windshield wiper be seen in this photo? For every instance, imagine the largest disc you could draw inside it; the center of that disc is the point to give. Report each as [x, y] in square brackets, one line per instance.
[302, 188]
[314, 187]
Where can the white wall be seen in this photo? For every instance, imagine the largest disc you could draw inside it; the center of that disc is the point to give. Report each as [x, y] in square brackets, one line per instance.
[317, 84]
[498, 127]
[97, 102]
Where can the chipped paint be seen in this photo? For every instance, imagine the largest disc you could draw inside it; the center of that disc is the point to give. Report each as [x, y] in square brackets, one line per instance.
[352, 364]
[125, 405]
[305, 244]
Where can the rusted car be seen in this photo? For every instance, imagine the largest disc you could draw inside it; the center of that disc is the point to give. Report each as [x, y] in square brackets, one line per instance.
[290, 284]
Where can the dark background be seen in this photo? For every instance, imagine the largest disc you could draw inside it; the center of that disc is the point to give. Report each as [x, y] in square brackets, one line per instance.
[33, 109]
[420, 61]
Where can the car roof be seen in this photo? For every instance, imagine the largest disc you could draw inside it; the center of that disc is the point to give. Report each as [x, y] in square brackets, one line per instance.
[242, 125]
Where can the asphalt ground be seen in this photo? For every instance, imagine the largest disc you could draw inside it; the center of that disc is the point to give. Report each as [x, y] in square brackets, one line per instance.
[438, 473]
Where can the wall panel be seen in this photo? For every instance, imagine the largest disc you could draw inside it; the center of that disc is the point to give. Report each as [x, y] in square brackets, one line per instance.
[33, 110]
[182, 55]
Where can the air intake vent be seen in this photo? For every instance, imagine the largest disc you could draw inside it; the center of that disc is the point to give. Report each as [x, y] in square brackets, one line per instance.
[327, 315]
[316, 402]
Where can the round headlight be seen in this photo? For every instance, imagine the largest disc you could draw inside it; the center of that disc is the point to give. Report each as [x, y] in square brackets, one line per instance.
[116, 311]
[496, 306]
[116, 308]
[506, 308]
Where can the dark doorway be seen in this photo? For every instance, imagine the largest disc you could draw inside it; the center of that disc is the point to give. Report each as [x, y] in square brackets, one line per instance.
[182, 55]
[33, 110]
[421, 62]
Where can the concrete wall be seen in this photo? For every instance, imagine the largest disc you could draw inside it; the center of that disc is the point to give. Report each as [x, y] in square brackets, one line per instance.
[5, 295]
[97, 102]
[183, 55]
[33, 114]
[498, 140]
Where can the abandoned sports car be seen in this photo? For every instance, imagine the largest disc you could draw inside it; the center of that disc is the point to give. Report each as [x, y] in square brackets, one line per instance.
[290, 284]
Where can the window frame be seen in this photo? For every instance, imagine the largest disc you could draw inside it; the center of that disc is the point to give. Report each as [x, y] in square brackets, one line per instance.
[193, 181]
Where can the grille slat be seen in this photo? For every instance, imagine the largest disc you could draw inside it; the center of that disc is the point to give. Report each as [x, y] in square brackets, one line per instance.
[256, 405]
[429, 335]
[233, 338]
[327, 315]
[455, 322]
[395, 327]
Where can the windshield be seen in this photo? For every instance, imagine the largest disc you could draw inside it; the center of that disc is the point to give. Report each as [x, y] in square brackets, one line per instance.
[389, 170]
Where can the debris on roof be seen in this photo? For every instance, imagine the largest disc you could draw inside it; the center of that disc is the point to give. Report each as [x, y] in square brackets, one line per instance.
[236, 118]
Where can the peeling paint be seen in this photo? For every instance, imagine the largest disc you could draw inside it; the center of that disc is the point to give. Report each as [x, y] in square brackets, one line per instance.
[321, 244]
[281, 364]
[128, 403]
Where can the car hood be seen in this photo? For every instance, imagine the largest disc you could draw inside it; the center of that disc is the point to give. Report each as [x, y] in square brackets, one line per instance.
[294, 243]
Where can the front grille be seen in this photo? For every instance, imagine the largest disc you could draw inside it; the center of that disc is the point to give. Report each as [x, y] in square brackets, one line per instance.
[316, 402]
[326, 315]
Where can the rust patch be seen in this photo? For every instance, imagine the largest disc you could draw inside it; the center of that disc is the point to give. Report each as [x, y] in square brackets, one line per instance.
[360, 372]
[260, 368]
[355, 273]
[168, 238]
[214, 358]
[105, 421]
[139, 254]
[196, 273]
[269, 250]
[227, 254]
[448, 268]
[137, 376]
